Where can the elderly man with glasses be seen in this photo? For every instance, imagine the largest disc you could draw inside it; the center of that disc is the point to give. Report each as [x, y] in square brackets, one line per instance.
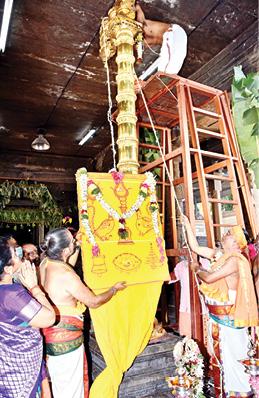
[30, 253]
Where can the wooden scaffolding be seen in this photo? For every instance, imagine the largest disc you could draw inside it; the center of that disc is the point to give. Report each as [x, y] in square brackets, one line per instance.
[196, 133]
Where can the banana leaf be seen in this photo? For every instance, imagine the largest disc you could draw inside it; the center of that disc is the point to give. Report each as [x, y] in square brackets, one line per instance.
[245, 108]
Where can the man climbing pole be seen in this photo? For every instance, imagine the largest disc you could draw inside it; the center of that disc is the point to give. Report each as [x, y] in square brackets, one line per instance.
[173, 39]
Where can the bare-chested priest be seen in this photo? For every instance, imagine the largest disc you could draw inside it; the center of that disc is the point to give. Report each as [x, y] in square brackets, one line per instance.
[230, 298]
[64, 342]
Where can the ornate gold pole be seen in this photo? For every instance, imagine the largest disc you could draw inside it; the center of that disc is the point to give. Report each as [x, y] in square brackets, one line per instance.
[118, 33]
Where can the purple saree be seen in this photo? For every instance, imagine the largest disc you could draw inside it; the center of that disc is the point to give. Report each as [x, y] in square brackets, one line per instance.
[20, 344]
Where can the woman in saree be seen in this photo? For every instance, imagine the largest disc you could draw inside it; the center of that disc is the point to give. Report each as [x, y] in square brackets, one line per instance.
[23, 310]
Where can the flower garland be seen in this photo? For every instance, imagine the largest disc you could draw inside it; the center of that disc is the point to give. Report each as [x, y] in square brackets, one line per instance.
[189, 362]
[148, 187]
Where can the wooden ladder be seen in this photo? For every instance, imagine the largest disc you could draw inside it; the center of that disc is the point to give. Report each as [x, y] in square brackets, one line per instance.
[223, 160]
[207, 155]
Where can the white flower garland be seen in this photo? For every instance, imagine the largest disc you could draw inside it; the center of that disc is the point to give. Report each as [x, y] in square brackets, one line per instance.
[85, 222]
[150, 181]
[148, 184]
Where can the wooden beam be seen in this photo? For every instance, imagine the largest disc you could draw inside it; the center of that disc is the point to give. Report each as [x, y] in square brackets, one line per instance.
[155, 95]
[242, 51]
[41, 167]
[194, 85]
[209, 154]
[177, 252]
[158, 162]
[148, 125]
[207, 170]
[170, 115]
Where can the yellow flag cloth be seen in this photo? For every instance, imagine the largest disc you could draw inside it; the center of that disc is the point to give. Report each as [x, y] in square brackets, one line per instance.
[108, 210]
[122, 241]
[123, 327]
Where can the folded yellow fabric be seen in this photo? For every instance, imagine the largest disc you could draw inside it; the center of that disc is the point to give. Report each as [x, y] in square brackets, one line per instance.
[122, 241]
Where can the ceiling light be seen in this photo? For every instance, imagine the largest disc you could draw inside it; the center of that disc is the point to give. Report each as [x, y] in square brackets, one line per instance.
[3, 129]
[87, 136]
[5, 23]
[40, 143]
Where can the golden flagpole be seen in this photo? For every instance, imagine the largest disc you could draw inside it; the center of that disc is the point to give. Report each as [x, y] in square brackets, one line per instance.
[118, 34]
[112, 247]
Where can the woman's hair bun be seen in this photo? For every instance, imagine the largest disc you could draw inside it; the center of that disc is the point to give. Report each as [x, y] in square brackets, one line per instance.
[45, 244]
[55, 242]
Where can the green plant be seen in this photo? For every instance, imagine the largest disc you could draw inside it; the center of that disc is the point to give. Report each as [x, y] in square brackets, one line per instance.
[149, 154]
[227, 206]
[245, 105]
[46, 211]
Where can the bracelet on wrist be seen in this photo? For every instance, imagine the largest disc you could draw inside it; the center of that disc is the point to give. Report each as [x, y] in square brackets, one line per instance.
[114, 290]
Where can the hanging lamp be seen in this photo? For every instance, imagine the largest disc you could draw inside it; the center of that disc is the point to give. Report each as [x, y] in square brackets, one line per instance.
[40, 143]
